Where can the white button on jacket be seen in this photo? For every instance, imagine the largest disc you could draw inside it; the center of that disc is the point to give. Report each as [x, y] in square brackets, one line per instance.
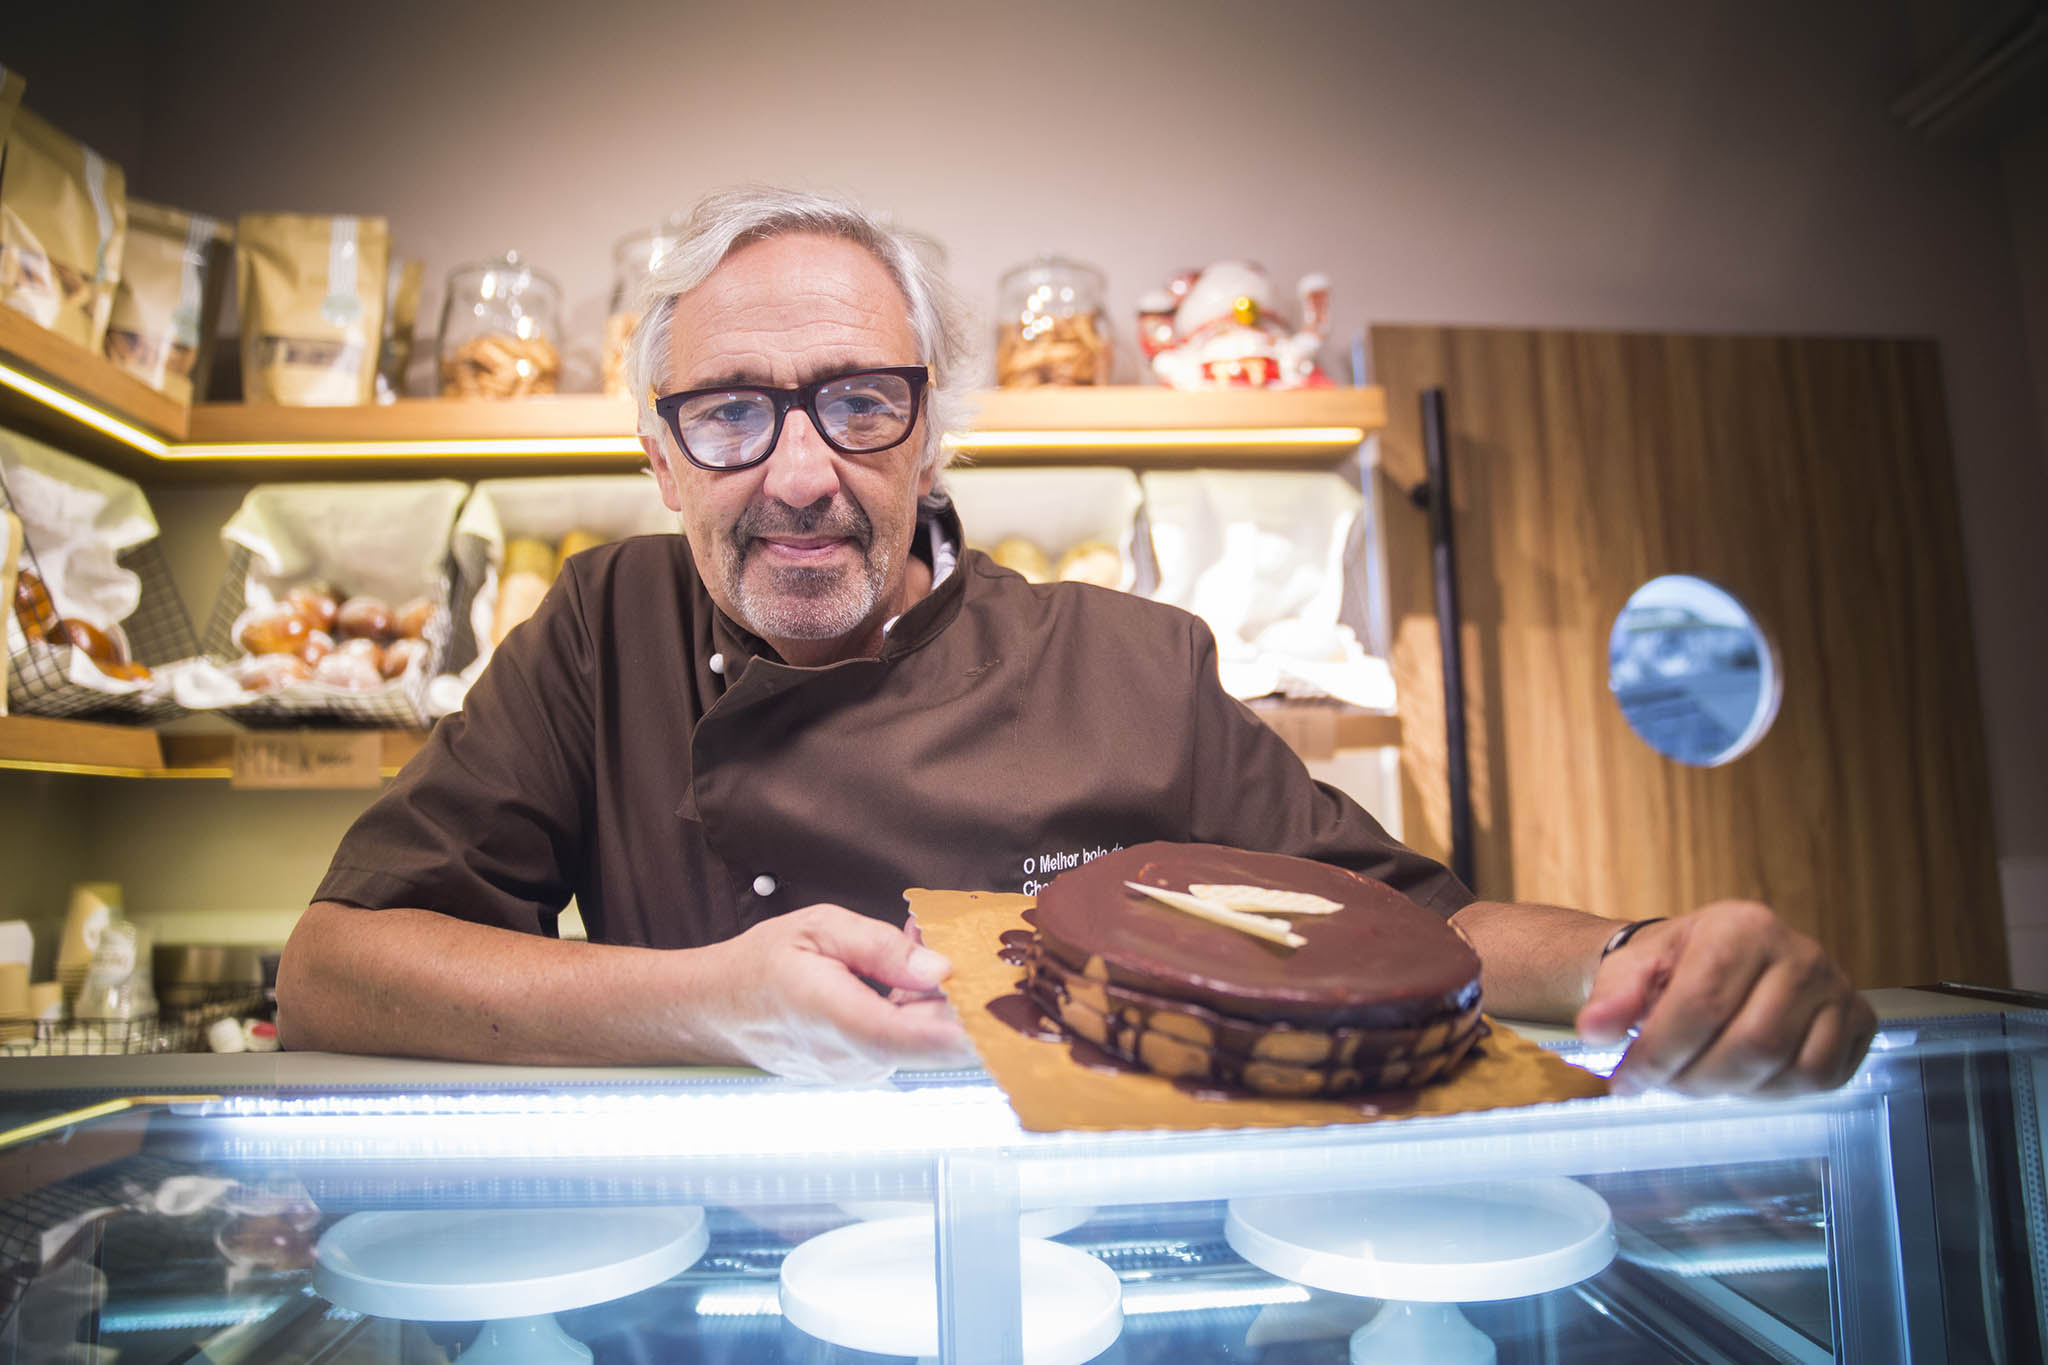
[764, 885]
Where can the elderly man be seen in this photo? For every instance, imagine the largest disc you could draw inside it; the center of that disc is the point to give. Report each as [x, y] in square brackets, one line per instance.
[736, 748]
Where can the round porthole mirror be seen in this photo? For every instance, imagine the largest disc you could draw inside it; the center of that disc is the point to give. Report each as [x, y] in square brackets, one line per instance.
[1692, 671]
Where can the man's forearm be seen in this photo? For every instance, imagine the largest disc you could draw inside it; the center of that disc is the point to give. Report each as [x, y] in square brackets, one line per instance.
[413, 983]
[1535, 961]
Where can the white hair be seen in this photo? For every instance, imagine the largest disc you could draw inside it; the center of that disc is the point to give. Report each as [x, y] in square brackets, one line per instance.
[723, 222]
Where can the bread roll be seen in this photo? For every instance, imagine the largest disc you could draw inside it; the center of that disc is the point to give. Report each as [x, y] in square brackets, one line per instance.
[317, 645]
[412, 618]
[365, 618]
[316, 604]
[348, 670]
[275, 630]
[403, 653]
[268, 672]
[366, 649]
[33, 607]
[1092, 562]
[1023, 556]
[529, 568]
[575, 543]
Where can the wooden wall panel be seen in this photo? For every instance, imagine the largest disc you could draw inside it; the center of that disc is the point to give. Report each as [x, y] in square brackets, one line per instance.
[1811, 478]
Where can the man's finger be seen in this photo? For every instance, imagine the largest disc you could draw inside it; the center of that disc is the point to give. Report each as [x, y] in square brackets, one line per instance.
[873, 1025]
[877, 951]
[1831, 1051]
[932, 1036]
[1709, 982]
[1761, 1040]
[1624, 988]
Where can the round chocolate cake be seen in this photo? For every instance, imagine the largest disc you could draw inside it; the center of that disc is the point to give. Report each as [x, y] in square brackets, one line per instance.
[1379, 993]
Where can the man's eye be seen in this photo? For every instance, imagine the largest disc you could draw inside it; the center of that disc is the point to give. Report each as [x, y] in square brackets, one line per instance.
[733, 412]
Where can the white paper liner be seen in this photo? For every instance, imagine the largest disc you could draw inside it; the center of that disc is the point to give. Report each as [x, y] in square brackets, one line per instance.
[77, 520]
[1053, 508]
[1260, 556]
[614, 506]
[387, 540]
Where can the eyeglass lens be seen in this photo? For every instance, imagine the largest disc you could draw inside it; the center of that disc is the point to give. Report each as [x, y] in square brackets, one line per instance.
[856, 412]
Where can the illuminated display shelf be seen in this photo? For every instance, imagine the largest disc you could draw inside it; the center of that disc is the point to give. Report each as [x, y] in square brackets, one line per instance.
[80, 401]
[64, 394]
[97, 749]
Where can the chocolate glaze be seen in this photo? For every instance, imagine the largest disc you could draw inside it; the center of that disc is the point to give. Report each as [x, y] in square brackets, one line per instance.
[1380, 962]
[1049, 981]
[1016, 949]
[1022, 1013]
[1026, 1013]
[1097, 1058]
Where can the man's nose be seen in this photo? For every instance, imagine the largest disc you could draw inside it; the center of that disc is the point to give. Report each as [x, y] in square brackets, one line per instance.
[802, 468]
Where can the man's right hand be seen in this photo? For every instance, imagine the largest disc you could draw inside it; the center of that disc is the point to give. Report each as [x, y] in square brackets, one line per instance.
[788, 996]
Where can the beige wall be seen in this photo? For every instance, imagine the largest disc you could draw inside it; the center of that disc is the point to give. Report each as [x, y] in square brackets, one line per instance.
[1599, 164]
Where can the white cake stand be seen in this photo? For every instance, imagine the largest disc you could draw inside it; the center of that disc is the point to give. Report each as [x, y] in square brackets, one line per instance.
[1426, 1251]
[510, 1268]
[1031, 1222]
[873, 1287]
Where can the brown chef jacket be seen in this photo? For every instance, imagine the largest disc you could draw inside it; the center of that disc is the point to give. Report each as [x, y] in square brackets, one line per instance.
[633, 747]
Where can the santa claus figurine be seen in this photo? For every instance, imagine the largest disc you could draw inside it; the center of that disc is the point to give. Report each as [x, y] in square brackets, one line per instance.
[1217, 329]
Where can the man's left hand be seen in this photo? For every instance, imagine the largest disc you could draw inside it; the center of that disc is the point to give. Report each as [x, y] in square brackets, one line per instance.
[1727, 999]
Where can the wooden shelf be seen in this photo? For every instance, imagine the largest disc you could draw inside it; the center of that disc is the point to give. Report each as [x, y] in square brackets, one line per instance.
[91, 378]
[97, 749]
[549, 417]
[561, 433]
[1128, 425]
[50, 745]
[40, 356]
[1128, 407]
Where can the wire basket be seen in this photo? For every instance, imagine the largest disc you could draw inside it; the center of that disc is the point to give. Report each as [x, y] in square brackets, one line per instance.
[400, 704]
[159, 632]
[183, 1030]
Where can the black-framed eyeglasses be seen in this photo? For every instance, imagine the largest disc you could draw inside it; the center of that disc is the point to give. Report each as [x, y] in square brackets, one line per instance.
[736, 425]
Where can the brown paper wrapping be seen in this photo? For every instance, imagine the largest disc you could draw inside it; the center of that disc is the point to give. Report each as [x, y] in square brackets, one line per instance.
[167, 303]
[310, 335]
[63, 227]
[1052, 1093]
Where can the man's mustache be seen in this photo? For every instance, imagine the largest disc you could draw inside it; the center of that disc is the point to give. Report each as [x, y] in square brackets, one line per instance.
[837, 517]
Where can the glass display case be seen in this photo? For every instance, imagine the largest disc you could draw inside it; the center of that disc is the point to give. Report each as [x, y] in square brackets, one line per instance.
[302, 1208]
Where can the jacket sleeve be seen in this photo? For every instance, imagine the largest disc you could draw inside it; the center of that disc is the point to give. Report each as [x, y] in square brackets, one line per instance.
[1250, 790]
[486, 822]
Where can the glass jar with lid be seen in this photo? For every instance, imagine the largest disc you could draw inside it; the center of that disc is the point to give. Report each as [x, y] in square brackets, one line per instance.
[1052, 327]
[634, 258]
[500, 331]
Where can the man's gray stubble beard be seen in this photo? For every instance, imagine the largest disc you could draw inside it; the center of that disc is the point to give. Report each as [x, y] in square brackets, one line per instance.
[800, 603]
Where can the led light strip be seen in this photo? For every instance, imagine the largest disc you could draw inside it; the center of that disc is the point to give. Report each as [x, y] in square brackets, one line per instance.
[83, 412]
[43, 1127]
[971, 442]
[1238, 438]
[480, 447]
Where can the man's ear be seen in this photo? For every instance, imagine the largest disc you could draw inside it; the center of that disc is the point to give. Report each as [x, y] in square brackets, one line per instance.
[928, 473]
[664, 474]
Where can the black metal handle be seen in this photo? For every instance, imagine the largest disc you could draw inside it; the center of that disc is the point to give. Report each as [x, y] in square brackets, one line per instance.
[1436, 496]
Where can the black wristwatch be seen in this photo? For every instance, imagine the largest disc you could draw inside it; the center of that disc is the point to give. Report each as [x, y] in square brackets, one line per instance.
[1629, 931]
